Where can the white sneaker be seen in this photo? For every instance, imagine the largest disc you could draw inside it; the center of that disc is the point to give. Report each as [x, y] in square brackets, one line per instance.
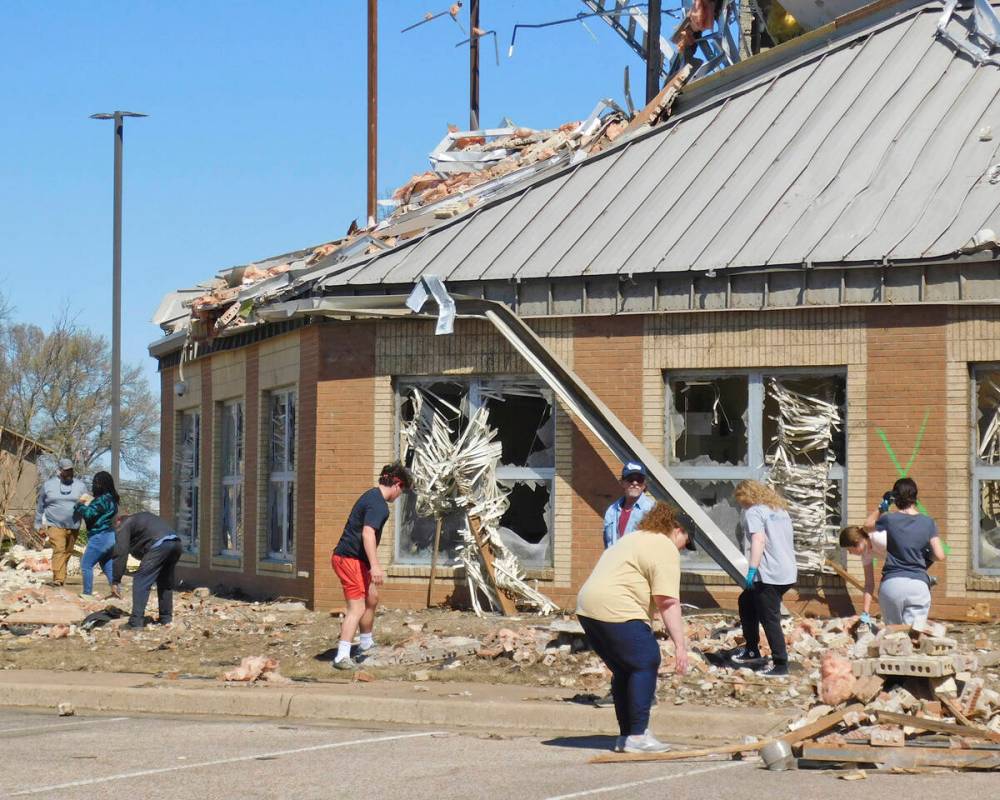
[646, 743]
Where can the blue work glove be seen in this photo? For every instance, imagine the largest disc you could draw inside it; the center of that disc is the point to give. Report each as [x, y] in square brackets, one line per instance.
[887, 500]
[866, 618]
[751, 574]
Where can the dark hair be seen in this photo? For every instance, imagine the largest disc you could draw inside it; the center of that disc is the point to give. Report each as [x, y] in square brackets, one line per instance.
[103, 483]
[394, 473]
[905, 491]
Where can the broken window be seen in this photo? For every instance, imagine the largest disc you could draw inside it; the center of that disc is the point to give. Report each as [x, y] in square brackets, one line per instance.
[281, 475]
[986, 471]
[187, 465]
[781, 428]
[708, 420]
[522, 412]
[231, 469]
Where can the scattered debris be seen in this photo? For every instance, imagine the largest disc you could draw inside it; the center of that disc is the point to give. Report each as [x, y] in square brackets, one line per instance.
[66, 710]
[257, 668]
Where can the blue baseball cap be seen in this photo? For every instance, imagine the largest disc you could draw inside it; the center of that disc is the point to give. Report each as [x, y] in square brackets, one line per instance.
[633, 468]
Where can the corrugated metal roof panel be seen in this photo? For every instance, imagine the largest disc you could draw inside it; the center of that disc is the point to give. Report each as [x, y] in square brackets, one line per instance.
[855, 149]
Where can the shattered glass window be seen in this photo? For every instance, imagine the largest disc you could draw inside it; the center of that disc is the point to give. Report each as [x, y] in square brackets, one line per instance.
[522, 413]
[187, 476]
[716, 498]
[708, 420]
[782, 428]
[986, 471]
[280, 514]
[231, 467]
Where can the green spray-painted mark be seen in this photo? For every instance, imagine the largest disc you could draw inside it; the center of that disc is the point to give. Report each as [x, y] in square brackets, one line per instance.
[900, 469]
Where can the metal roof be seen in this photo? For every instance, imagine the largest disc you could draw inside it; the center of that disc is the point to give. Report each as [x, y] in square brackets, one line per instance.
[869, 141]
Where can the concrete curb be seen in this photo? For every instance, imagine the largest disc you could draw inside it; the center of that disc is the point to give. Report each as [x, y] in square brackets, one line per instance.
[312, 703]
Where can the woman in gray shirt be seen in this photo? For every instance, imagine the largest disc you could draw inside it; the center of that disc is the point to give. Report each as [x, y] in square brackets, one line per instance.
[912, 545]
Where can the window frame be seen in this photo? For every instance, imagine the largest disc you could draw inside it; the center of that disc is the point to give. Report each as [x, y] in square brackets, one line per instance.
[755, 468]
[283, 477]
[978, 471]
[190, 539]
[474, 387]
[228, 480]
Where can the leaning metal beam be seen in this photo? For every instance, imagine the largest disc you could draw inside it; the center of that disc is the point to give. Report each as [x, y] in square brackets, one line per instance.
[570, 389]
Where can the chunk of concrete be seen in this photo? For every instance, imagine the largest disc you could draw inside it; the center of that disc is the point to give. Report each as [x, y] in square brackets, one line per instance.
[896, 644]
[937, 645]
[53, 612]
[883, 736]
[918, 666]
[928, 628]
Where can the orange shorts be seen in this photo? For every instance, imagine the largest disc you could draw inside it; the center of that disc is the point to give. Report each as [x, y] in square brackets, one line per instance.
[354, 576]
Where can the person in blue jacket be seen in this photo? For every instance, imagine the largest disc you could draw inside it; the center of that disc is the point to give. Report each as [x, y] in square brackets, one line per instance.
[624, 515]
[98, 510]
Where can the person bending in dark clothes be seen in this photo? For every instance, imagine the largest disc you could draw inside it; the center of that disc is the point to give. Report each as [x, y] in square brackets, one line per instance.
[154, 543]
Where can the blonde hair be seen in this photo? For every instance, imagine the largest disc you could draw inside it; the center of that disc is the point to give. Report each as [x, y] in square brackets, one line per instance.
[853, 535]
[661, 518]
[754, 493]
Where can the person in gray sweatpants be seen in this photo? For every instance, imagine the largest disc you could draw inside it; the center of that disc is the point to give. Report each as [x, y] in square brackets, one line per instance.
[158, 548]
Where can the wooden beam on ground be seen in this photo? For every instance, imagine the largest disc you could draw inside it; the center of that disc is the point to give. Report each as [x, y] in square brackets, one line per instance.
[820, 726]
[902, 757]
[680, 755]
[507, 605]
[936, 725]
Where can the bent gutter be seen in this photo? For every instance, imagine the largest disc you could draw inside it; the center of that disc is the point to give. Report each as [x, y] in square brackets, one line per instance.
[570, 389]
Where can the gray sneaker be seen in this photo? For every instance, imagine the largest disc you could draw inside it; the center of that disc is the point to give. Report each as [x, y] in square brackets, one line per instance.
[345, 664]
[646, 743]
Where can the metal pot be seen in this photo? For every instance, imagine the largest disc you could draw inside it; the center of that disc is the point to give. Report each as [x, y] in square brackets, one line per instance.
[777, 755]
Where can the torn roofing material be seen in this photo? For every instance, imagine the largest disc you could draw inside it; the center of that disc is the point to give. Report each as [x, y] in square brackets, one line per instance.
[857, 144]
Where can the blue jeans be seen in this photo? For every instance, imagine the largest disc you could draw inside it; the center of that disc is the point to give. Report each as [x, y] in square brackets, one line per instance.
[100, 550]
[633, 656]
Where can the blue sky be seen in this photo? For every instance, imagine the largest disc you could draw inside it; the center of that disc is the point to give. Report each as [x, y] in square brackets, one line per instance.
[255, 144]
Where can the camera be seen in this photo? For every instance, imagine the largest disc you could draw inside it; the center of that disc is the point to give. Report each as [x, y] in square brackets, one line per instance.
[887, 500]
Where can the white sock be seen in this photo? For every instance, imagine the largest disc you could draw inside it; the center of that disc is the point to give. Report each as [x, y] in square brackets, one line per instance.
[367, 640]
[343, 651]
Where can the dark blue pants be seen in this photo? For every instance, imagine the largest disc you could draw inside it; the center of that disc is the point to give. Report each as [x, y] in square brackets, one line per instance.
[633, 656]
[157, 566]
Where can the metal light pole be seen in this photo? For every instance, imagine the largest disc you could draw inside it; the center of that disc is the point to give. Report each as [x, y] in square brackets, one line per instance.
[116, 296]
[372, 110]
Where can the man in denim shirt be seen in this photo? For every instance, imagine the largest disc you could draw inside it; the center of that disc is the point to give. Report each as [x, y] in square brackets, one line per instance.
[624, 515]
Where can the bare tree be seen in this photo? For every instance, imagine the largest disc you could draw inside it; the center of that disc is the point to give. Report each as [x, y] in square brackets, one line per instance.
[56, 388]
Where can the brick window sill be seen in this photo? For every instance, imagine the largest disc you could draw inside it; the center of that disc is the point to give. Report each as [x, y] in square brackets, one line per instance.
[227, 563]
[457, 572]
[983, 583]
[189, 559]
[282, 569]
[720, 578]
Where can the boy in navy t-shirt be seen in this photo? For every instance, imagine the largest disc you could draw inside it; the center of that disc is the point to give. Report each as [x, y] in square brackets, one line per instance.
[355, 559]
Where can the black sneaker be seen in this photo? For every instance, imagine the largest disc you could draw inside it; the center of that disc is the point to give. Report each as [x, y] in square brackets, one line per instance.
[745, 656]
[774, 671]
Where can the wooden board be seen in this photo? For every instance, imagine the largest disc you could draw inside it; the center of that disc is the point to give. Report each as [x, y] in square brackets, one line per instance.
[820, 726]
[905, 757]
[507, 605]
[928, 724]
[843, 573]
[680, 755]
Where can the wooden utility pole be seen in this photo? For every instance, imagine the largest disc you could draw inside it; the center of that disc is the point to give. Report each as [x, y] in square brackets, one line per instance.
[474, 65]
[653, 54]
[372, 108]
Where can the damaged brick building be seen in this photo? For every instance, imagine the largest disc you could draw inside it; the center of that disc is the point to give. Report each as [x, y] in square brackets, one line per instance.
[792, 274]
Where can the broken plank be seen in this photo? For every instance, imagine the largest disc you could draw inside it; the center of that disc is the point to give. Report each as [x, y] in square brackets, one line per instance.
[679, 755]
[820, 726]
[506, 604]
[938, 726]
[952, 705]
[905, 757]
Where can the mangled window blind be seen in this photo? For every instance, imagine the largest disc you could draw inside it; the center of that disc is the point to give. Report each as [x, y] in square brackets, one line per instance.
[986, 471]
[803, 432]
[521, 413]
[187, 465]
[455, 458]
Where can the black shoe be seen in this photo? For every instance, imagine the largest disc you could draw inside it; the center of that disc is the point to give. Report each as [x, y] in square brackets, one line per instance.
[606, 701]
[774, 671]
[746, 656]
